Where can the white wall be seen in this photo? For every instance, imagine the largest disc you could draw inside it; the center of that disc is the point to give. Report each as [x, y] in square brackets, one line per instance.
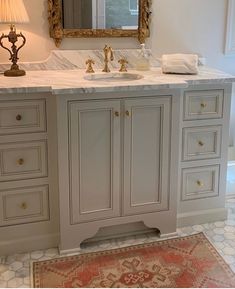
[192, 26]
[177, 26]
[197, 26]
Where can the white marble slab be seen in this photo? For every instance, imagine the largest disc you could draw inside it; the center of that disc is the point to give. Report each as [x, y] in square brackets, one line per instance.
[73, 81]
[76, 59]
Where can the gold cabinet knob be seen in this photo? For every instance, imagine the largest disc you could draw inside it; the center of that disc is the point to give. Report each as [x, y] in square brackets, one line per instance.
[20, 162]
[201, 143]
[19, 117]
[127, 113]
[24, 206]
[200, 184]
[116, 113]
[203, 105]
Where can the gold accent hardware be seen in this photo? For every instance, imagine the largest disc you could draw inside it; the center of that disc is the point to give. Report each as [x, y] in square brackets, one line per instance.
[18, 117]
[127, 113]
[107, 50]
[123, 63]
[201, 143]
[23, 206]
[117, 113]
[89, 64]
[200, 184]
[203, 105]
[20, 162]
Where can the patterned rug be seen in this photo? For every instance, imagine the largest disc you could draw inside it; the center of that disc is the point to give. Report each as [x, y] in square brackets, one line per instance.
[187, 262]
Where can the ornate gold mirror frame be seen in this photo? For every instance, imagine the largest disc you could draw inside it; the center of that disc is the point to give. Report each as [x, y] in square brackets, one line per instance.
[57, 32]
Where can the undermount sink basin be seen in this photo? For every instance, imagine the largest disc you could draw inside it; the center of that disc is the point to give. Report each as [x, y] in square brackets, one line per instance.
[113, 77]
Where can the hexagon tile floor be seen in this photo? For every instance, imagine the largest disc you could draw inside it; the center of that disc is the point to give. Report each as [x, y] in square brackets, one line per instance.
[14, 269]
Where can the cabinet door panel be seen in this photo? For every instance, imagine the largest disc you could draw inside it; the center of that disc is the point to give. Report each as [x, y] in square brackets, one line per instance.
[94, 159]
[146, 155]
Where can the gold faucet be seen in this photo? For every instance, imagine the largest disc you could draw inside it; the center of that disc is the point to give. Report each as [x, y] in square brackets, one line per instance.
[107, 50]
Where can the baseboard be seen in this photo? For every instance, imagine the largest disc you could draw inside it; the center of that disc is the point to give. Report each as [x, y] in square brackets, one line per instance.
[231, 153]
[230, 196]
[69, 252]
[28, 244]
[169, 236]
[200, 217]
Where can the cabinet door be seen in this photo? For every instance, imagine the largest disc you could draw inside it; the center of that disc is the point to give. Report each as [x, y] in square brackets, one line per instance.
[146, 155]
[94, 139]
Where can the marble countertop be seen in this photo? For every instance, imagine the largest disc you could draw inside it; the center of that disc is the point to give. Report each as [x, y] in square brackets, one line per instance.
[72, 81]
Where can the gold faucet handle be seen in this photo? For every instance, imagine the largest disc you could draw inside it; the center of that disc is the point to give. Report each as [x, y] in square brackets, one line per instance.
[89, 64]
[123, 63]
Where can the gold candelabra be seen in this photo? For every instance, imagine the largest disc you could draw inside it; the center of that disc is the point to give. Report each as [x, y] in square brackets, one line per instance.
[13, 38]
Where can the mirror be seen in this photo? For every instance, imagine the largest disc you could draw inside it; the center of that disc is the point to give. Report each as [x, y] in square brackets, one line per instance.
[100, 14]
[99, 18]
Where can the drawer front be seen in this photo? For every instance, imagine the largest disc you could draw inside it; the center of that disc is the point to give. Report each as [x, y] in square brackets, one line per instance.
[22, 116]
[200, 182]
[23, 160]
[24, 205]
[207, 104]
[201, 143]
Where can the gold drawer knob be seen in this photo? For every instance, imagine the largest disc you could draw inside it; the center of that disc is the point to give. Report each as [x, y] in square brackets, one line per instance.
[24, 206]
[201, 143]
[19, 117]
[128, 113]
[20, 162]
[200, 184]
[117, 113]
[203, 105]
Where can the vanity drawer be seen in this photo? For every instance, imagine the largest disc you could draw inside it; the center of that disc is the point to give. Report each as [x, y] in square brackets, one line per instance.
[203, 104]
[201, 143]
[22, 116]
[23, 160]
[24, 205]
[200, 182]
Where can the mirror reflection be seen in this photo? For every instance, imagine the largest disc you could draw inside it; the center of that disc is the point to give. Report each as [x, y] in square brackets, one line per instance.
[100, 14]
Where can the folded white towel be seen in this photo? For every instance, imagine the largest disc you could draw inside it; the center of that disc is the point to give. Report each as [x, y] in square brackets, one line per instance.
[180, 63]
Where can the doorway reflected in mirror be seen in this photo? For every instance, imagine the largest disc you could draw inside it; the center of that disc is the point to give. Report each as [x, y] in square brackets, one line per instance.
[100, 14]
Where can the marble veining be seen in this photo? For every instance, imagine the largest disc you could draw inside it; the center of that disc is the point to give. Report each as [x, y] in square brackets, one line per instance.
[64, 72]
[73, 81]
[76, 59]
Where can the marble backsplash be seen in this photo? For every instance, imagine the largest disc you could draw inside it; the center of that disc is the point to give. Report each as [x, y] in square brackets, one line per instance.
[75, 59]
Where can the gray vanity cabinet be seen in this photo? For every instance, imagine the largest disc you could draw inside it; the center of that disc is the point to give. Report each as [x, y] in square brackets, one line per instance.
[115, 164]
[96, 136]
[205, 136]
[146, 155]
[28, 176]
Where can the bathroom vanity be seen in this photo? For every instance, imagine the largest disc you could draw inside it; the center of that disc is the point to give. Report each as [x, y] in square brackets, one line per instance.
[90, 154]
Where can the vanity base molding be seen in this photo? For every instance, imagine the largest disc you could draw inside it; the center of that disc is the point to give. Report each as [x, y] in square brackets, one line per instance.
[201, 217]
[30, 243]
[79, 233]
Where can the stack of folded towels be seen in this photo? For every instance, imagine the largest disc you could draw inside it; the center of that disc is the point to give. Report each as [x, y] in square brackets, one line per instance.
[180, 63]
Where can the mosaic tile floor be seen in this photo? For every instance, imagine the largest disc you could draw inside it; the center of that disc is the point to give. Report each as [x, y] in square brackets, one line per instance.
[14, 269]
